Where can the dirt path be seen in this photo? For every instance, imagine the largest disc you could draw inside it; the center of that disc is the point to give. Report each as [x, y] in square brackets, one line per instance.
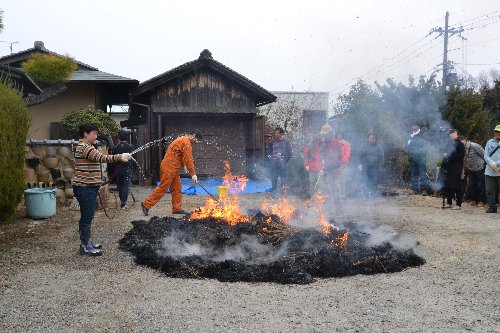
[45, 286]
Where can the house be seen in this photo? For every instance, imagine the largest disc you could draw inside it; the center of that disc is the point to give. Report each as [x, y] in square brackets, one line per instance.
[206, 95]
[46, 107]
[303, 113]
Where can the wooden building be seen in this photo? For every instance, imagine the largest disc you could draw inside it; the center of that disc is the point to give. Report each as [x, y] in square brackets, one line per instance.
[205, 95]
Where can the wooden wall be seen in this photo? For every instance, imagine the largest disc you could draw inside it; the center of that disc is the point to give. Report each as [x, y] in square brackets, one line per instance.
[202, 90]
[225, 138]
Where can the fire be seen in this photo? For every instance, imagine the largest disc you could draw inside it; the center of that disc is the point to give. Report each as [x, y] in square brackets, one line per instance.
[283, 209]
[342, 241]
[227, 207]
[318, 201]
[235, 184]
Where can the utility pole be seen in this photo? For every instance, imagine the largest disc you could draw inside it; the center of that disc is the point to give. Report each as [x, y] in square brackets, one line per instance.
[445, 54]
[446, 33]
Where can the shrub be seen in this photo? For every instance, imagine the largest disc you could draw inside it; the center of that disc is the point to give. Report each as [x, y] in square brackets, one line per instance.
[14, 124]
[48, 69]
[89, 115]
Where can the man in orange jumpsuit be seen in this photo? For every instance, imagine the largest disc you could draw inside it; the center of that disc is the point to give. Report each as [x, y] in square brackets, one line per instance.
[179, 154]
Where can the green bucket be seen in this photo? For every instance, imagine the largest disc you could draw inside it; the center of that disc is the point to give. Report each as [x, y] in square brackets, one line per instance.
[40, 202]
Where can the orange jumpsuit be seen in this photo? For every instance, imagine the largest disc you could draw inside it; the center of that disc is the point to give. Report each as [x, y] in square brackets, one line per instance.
[179, 154]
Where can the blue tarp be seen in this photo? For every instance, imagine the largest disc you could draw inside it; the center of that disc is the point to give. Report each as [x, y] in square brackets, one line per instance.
[210, 185]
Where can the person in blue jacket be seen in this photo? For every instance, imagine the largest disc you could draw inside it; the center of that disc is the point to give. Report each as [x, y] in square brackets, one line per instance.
[492, 170]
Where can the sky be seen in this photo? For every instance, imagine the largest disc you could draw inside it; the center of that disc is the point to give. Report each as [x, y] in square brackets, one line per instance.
[281, 45]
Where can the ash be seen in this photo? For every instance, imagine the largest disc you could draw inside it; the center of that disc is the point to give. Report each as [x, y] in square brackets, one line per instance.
[262, 250]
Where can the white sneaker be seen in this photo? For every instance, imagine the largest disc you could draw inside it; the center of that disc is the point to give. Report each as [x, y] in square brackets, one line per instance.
[448, 206]
[456, 208]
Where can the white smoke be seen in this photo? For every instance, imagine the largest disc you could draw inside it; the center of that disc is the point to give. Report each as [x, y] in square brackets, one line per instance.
[248, 247]
[175, 246]
[387, 234]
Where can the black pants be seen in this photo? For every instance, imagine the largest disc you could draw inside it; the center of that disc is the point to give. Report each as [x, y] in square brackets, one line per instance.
[492, 185]
[476, 190]
[278, 170]
[450, 193]
[123, 180]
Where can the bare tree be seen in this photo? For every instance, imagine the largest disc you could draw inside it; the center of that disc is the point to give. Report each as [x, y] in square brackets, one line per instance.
[1, 20]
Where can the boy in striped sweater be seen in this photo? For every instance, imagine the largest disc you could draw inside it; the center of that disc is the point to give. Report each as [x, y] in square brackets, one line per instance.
[86, 182]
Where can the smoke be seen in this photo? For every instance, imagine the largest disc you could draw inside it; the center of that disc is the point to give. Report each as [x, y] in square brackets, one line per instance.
[175, 246]
[247, 248]
[386, 234]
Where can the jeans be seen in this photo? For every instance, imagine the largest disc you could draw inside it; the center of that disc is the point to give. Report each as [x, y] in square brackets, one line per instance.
[87, 197]
[123, 180]
[278, 169]
[418, 176]
[492, 185]
[476, 188]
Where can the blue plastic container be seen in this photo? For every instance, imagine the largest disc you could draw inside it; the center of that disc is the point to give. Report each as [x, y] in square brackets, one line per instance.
[40, 202]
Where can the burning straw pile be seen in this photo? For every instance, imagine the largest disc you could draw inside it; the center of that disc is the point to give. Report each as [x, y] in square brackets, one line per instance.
[218, 241]
[261, 250]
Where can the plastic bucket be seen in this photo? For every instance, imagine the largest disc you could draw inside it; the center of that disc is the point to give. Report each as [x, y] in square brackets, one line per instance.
[40, 202]
[222, 191]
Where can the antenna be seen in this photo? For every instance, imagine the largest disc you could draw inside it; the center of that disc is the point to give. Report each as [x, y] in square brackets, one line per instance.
[11, 43]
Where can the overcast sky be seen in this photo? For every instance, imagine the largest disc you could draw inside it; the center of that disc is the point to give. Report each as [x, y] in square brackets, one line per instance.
[281, 45]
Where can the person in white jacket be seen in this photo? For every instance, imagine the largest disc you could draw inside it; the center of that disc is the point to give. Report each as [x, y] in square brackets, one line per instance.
[492, 171]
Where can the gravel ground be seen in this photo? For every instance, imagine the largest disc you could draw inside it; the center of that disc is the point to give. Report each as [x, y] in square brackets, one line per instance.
[45, 286]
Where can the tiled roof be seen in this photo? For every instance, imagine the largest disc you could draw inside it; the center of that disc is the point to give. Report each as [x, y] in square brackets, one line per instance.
[205, 59]
[98, 76]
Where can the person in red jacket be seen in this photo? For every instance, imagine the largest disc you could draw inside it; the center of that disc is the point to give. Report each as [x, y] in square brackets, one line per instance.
[179, 154]
[345, 148]
[322, 159]
[313, 162]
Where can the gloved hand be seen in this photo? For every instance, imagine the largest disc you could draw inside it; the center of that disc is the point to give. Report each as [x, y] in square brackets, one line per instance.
[493, 165]
[307, 168]
[360, 167]
[125, 157]
[194, 178]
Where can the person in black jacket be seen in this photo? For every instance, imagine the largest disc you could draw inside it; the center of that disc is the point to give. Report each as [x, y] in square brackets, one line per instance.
[123, 171]
[453, 162]
[371, 162]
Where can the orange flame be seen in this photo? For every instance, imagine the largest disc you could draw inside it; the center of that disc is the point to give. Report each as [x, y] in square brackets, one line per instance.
[318, 201]
[283, 209]
[227, 208]
[342, 241]
[235, 184]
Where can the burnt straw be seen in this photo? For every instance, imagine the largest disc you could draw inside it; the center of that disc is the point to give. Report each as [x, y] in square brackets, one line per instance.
[251, 252]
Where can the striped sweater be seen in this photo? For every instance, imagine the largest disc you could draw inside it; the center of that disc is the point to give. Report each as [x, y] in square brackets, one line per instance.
[88, 165]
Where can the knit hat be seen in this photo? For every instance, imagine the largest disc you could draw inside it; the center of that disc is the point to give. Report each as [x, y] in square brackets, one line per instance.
[497, 128]
[325, 129]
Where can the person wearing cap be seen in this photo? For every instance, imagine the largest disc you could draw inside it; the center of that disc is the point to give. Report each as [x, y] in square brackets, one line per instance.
[492, 170]
[122, 172]
[179, 154]
[322, 160]
[280, 152]
[453, 162]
